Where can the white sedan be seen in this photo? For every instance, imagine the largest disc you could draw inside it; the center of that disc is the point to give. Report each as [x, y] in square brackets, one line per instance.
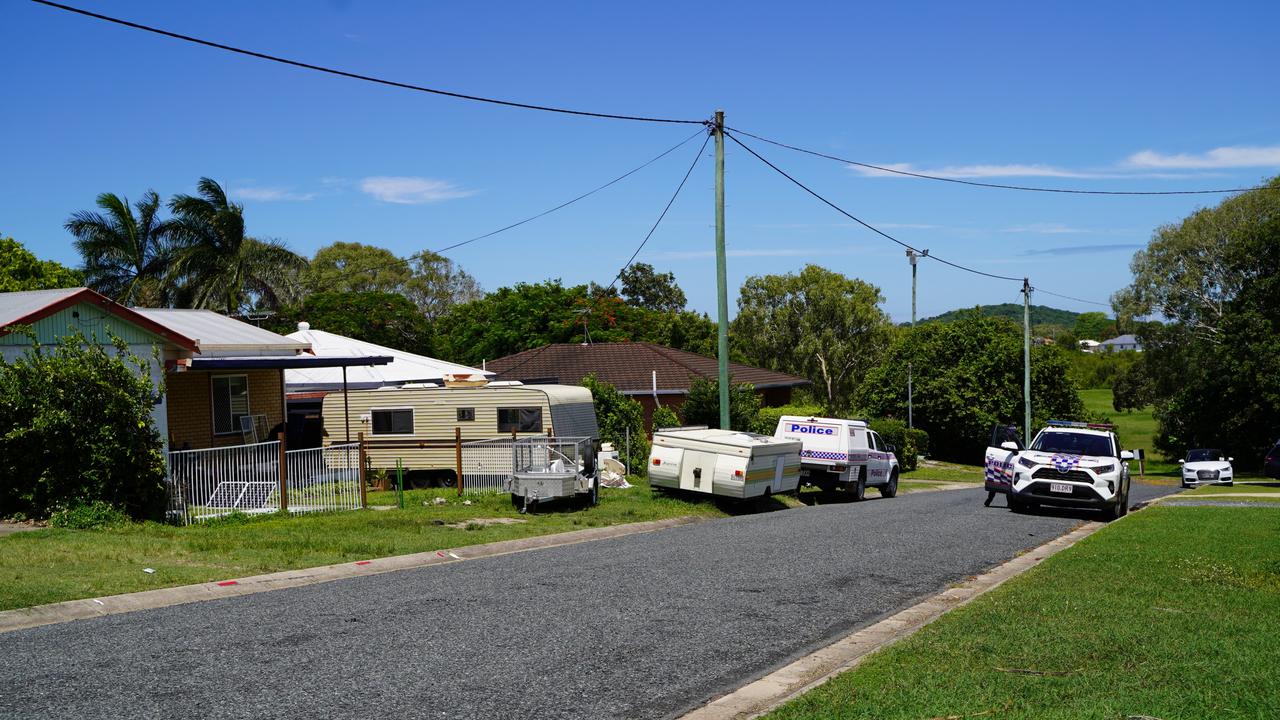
[1206, 467]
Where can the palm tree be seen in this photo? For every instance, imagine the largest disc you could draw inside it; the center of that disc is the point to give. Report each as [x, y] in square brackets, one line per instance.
[220, 267]
[127, 257]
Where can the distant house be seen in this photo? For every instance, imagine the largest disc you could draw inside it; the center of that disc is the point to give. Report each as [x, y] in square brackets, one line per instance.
[1089, 346]
[216, 371]
[1122, 342]
[652, 374]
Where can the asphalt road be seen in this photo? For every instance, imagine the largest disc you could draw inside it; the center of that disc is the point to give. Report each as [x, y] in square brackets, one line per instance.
[646, 626]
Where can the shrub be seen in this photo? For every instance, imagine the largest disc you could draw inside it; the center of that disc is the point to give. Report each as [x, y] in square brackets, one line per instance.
[766, 420]
[76, 427]
[909, 442]
[702, 405]
[665, 417]
[615, 414]
[87, 516]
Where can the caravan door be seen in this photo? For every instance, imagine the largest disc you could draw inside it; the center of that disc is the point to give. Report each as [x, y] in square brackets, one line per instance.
[697, 471]
[999, 464]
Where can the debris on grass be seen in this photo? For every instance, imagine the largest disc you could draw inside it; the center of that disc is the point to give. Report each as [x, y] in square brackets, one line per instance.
[1048, 673]
[480, 523]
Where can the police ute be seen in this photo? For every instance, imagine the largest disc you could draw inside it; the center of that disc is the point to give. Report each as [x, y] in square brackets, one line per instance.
[1068, 464]
[839, 453]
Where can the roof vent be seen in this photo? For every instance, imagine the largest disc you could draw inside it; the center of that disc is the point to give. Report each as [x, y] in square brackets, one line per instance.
[304, 326]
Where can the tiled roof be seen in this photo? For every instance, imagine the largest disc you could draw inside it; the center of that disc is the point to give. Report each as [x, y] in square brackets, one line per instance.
[629, 367]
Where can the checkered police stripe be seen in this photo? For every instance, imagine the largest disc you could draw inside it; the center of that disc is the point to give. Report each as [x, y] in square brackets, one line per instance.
[823, 455]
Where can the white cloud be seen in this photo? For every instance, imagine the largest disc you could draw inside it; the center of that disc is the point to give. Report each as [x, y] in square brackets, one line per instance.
[412, 190]
[1045, 229]
[975, 171]
[1223, 157]
[270, 194]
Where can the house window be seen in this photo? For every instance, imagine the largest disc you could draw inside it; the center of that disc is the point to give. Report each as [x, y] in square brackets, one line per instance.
[528, 419]
[466, 414]
[397, 421]
[230, 403]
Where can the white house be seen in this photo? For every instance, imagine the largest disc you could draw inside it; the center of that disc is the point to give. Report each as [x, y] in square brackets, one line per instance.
[1122, 342]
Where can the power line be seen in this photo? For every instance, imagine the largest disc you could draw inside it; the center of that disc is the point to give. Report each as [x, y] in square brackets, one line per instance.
[356, 76]
[670, 202]
[1068, 297]
[866, 225]
[974, 183]
[629, 173]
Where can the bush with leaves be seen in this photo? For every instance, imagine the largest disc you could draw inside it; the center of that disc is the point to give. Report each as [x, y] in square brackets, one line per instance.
[908, 443]
[88, 516]
[665, 417]
[968, 377]
[702, 404]
[616, 414]
[76, 427]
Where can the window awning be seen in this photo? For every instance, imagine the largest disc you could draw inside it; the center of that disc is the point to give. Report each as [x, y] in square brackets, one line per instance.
[284, 361]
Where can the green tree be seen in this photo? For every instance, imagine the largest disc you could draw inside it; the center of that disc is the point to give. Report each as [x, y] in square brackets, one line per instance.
[818, 324]
[1094, 326]
[127, 257]
[968, 376]
[619, 418]
[664, 417]
[59, 449]
[702, 404]
[222, 268]
[1213, 372]
[643, 287]
[20, 269]
[433, 282]
[376, 317]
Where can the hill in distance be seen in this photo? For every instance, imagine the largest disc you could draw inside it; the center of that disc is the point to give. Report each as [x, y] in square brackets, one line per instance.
[1040, 314]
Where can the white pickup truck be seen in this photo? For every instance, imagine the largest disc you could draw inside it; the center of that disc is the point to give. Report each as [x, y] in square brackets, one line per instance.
[841, 453]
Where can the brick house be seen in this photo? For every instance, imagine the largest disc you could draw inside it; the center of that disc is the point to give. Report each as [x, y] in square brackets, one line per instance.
[651, 374]
[216, 371]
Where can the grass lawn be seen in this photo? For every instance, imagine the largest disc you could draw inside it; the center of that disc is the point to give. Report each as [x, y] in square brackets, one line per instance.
[1269, 489]
[944, 471]
[52, 565]
[1171, 613]
[1136, 428]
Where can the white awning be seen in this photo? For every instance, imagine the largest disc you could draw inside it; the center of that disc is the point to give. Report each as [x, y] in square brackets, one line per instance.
[404, 367]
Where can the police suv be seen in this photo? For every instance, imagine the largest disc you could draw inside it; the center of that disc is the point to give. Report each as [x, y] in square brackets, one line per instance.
[1070, 464]
[841, 453]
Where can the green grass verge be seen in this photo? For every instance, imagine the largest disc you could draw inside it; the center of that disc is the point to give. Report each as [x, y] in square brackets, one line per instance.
[1172, 613]
[52, 565]
[945, 471]
[1136, 428]
[1237, 488]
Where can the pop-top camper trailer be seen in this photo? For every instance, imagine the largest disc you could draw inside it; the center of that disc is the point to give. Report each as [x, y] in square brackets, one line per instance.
[723, 462]
[416, 424]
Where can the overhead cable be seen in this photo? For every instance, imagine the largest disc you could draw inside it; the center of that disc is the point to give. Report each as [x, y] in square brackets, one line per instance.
[1027, 188]
[864, 224]
[1068, 297]
[357, 76]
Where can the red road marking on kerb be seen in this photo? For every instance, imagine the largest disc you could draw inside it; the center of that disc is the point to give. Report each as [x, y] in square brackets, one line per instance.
[440, 553]
[363, 562]
[225, 583]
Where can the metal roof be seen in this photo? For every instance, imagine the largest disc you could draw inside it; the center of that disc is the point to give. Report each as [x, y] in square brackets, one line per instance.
[405, 367]
[29, 306]
[217, 332]
[15, 306]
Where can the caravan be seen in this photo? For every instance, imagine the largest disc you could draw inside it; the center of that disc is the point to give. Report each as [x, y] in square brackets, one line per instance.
[419, 424]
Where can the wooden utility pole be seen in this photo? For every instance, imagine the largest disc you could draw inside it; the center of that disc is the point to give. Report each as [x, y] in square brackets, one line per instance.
[722, 283]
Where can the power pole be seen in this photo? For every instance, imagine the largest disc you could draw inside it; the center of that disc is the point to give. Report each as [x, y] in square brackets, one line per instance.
[911, 258]
[722, 284]
[1026, 357]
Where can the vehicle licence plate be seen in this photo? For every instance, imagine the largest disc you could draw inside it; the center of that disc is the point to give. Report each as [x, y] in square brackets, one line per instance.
[1060, 488]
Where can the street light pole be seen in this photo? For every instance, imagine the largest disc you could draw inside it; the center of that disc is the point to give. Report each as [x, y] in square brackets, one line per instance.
[912, 256]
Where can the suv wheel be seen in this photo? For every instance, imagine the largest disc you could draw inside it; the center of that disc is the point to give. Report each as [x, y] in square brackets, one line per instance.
[891, 488]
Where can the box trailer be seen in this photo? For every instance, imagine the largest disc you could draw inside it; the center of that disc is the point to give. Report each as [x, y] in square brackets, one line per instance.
[417, 424]
[723, 462]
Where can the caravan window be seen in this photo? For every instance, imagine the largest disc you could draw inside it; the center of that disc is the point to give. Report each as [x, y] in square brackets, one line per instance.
[466, 414]
[230, 403]
[526, 419]
[396, 421]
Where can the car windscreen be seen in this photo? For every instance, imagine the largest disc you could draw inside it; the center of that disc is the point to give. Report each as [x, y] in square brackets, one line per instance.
[1072, 443]
[1203, 455]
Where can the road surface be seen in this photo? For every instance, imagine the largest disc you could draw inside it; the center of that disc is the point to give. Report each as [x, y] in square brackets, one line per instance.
[644, 626]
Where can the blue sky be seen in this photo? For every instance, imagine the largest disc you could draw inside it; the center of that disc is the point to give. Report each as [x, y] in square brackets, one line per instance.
[1107, 95]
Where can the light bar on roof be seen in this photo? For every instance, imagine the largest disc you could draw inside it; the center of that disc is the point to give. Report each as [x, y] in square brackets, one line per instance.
[1079, 424]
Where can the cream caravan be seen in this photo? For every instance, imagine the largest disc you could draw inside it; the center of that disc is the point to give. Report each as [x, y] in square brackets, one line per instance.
[416, 424]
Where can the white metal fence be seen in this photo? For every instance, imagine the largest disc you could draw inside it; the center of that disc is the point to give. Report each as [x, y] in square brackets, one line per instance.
[215, 482]
[486, 464]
